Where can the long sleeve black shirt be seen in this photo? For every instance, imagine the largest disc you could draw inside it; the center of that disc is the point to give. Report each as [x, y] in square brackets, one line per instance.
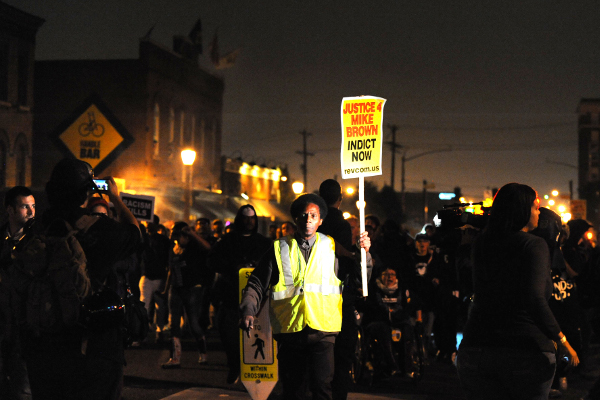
[512, 285]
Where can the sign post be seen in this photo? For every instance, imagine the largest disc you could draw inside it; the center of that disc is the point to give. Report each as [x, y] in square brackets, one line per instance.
[362, 146]
[258, 353]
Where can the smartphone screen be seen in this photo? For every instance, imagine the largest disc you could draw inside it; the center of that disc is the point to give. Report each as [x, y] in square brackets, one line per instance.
[101, 184]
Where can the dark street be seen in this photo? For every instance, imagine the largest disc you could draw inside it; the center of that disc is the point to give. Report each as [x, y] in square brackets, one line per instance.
[144, 379]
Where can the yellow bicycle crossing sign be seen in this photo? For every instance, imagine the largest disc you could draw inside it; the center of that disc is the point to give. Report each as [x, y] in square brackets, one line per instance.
[93, 134]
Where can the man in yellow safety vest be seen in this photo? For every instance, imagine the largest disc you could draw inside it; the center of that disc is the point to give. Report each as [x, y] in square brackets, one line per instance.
[306, 299]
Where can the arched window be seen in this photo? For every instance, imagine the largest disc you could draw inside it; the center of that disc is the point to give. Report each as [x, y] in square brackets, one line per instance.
[156, 131]
[21, 155]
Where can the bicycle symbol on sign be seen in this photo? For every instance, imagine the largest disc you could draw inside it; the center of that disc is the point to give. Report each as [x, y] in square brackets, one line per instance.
[92, 127]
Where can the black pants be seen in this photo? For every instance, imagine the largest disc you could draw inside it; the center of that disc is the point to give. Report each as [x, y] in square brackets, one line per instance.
[302, 355]
[345, 347]
[193, 300]
[229, 332]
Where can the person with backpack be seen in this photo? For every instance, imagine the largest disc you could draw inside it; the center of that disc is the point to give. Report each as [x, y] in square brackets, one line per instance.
[19, 204]
[71, 356]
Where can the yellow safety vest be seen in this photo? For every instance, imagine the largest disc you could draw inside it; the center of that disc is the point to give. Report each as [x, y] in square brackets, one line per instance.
[306, 294]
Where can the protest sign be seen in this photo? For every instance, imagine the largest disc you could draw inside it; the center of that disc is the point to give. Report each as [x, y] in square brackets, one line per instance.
[362, 144]
[142, 207]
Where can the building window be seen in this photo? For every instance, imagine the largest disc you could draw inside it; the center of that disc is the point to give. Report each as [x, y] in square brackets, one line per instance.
[156, 131]
[193, 131]
[593, 156]
[181, 128]
[171, 125]
[23, 78]
[4, 52]
[208, 144]
[171, 133]
[201, 145]
[21, 161]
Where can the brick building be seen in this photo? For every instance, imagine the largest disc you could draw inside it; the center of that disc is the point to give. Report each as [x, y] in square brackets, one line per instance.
[18, 30]
[131, 118]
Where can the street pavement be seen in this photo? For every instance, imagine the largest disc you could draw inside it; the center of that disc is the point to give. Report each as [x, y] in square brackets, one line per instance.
[146, 380]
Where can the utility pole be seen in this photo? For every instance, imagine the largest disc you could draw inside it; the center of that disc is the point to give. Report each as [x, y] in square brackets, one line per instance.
[394, 146]
[304, 154]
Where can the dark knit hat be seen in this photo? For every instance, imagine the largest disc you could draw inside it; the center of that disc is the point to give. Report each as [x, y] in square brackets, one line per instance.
[301, 202]
[72, 174]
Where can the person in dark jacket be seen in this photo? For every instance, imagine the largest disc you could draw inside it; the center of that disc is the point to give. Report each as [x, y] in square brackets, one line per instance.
[20, 208]
[240, 248]
[155, 263]
[390, 305]
[508, 346]
[188, 280]
[340, 230]
[78, 363]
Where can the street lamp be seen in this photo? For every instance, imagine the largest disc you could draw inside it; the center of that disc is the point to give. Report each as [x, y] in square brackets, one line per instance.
[188, 157]
[297, 187]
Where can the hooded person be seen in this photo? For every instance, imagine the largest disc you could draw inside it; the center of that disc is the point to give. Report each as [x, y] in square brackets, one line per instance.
[577, 250]
[240, 248]
[564, 301]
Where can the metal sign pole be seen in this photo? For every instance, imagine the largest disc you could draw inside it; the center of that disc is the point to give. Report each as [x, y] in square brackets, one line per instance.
[363, 253]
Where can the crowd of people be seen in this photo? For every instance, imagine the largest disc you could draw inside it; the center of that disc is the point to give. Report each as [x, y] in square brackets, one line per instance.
[516, 295]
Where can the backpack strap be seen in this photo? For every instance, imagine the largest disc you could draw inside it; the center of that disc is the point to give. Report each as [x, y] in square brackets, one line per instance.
[85, 222]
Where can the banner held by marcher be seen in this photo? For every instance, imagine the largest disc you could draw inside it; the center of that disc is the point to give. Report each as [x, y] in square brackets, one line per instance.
[362, 146]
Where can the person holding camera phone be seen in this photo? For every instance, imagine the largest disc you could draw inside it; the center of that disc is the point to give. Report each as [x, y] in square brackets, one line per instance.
[83, 362]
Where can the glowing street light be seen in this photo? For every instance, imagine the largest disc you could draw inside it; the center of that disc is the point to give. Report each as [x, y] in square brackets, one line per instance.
[297, 187]
[555, 193]
[350, 190]
[561, 209]
[551, 202]
[188, 157]
[361, 204]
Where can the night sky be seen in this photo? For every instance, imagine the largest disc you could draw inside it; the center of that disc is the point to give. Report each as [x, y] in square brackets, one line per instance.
[495, 83]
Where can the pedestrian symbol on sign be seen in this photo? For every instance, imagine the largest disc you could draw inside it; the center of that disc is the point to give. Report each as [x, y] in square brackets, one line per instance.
[260, 344]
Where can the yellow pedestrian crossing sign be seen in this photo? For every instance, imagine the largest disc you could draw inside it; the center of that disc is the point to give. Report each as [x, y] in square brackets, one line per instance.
[258, 353]
[92, 134]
